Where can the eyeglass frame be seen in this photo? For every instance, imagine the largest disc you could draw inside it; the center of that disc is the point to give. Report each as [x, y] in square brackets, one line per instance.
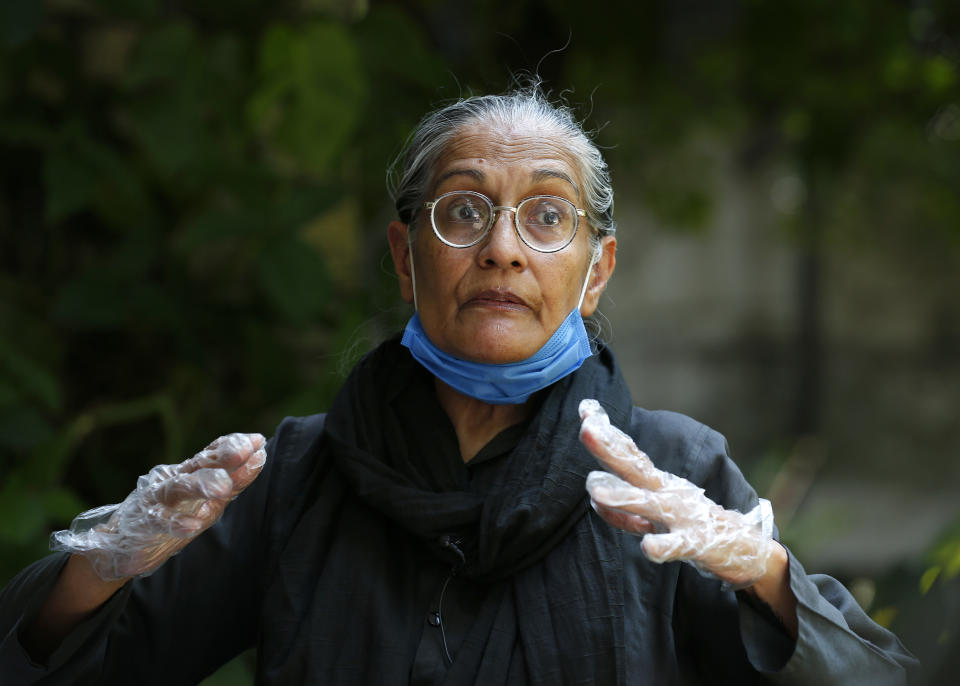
[494, 209]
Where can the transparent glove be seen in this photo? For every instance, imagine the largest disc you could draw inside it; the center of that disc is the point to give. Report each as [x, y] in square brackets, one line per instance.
[171, 505]
[677, 520]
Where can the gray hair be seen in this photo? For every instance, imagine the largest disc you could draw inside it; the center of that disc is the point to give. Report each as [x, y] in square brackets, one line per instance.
[409, 175]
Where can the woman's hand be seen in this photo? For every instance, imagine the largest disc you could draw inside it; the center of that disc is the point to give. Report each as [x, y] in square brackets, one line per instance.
[678, 520]
[170, 506]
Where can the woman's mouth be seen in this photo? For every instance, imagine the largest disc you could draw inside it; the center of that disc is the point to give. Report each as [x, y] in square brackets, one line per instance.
[497, 298]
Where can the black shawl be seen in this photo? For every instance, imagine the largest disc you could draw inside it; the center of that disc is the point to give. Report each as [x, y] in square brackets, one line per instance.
[556, 613]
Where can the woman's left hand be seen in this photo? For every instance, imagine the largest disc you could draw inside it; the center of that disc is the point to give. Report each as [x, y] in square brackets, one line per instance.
[678, 521]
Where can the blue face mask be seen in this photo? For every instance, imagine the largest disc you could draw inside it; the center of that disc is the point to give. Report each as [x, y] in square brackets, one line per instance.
[509, 383]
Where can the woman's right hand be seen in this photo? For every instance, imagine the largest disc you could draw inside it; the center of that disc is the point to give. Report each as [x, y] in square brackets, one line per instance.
[171, 505]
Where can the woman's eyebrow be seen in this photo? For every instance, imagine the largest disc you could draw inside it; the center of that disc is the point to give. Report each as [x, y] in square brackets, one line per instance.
[544, 174]
[475, 174]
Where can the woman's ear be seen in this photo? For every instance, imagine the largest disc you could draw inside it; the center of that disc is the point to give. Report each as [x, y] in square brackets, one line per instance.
[398, 234]
[601, 273]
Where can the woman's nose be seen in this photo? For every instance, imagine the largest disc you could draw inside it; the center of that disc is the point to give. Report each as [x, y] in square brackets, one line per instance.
[502, 246]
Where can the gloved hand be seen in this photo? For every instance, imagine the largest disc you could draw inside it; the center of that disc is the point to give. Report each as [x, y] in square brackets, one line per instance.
[171, 505]
[678, 521]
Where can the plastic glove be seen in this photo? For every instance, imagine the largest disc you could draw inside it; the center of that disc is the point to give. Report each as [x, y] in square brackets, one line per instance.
[171, 505]
[678, 520]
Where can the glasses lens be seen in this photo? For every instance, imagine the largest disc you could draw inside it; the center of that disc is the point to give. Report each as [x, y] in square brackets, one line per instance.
[461, 218]
[546, 222]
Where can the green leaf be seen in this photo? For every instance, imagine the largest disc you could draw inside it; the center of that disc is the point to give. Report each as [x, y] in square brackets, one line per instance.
[22, 515]
[135, 9]
[61, 504]
[310, 94]
[214, 225]
[104, 299]
[929, 576]
[80, 173]
[190, 131]
[22, 429]
[939, 74]
[162, 54]
[70, 185]
[22, 132]
[32, 378]
[19, 20]
[294, 279]
[394, 46]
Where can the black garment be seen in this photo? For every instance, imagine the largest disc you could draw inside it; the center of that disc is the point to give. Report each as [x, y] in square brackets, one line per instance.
[301, 565]
[509, 517]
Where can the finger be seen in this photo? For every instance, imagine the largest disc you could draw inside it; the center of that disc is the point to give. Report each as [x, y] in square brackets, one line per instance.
[615, 449]
[227, 452]
[140, 528]
[231, 441]
[203, 484]
[203, 517]
[183, 520]
[631, 523]
[611, 491]
[244, 475]
[667, 547]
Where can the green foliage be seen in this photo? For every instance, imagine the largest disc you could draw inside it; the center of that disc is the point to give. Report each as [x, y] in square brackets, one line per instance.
[944, 560]
[192, 200]
[176, 250]
[310, 82]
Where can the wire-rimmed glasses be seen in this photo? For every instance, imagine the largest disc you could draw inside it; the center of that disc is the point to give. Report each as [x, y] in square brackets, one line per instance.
[546, 223]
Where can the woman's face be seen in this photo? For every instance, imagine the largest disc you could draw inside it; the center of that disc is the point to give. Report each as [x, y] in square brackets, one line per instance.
[500, 300]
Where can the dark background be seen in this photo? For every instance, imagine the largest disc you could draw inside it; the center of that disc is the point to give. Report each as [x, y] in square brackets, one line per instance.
[193, 212]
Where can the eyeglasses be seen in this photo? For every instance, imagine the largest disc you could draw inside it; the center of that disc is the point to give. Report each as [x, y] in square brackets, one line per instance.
[546, 223]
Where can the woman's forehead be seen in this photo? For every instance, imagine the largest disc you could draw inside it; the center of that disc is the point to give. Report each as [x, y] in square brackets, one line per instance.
[531, 153]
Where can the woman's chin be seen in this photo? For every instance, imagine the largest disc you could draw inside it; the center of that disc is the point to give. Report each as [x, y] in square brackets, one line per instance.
[495, 349]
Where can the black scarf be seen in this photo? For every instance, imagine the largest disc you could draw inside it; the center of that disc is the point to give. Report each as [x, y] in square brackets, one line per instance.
[556, 613]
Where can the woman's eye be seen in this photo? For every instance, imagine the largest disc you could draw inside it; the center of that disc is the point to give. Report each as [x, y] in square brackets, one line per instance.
[463, 212]
[549, 217]
[546, 215]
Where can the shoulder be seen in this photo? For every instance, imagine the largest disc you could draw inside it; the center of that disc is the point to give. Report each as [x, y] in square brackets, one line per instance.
[683, 446]
[295, 456]
[295, 451]
[295, 436]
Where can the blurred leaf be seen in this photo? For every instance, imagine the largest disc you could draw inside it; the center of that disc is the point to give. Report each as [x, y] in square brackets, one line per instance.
[190, 133]
[928, 577]
[884, 616]
[939, 74]
[19, 20]
[294, 279]
[214, 225]
[22, 514]
[102, 298]
[22, 429]
[62, 504]
[135, 9]
[336, 235]
[309, 97]
[162, 55]
[394, 47]
[70, 186]
[82, 173]
[344, 9]
[31, 378]
[21, 133]
[238, 672]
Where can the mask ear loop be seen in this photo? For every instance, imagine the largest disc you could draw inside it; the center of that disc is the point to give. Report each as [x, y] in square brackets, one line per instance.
[413, 273]
[593, 260]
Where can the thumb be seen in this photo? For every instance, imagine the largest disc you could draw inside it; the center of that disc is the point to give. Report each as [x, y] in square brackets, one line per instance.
[666, 547]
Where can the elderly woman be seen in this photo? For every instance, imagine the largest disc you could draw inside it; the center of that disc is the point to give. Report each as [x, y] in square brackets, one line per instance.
[434, 526]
